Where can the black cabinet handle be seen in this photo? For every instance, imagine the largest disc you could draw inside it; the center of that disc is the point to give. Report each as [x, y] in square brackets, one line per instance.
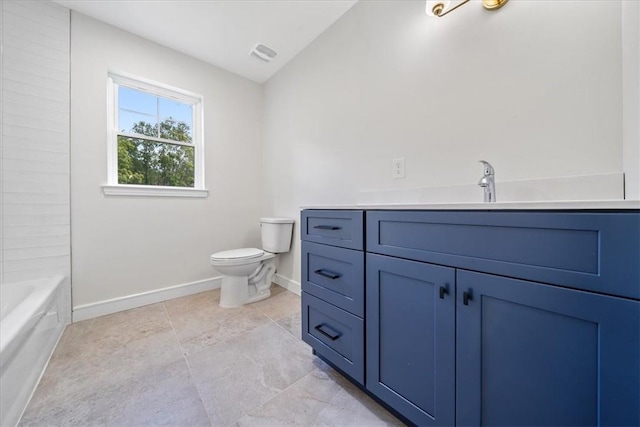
[443, 292]
[328, 274]
[327, 227]
[328, 332]
[466, 297]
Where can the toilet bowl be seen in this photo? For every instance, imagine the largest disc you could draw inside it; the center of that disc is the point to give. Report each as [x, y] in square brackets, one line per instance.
[247, 272]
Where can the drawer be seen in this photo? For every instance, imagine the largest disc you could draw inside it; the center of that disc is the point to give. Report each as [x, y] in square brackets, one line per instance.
[592, 251]
[335, 275]
[334, 334]
[336, 228]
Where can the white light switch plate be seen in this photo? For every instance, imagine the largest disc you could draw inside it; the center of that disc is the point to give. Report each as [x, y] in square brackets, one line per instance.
[398, 168]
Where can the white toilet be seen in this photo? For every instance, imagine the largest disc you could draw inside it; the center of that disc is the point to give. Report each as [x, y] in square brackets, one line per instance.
[247, 273]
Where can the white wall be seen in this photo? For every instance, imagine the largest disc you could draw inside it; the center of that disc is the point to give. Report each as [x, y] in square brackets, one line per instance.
[124, 246]
[535, 88]
[34, 152]
[631, 97]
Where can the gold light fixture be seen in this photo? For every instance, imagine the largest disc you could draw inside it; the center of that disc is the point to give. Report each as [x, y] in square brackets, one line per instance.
[440, 8]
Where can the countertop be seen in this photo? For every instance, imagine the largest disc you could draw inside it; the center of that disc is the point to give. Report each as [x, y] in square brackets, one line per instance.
[550, 205]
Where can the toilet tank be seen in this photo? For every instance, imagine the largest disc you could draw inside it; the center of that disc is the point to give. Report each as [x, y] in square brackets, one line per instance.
[276, 234]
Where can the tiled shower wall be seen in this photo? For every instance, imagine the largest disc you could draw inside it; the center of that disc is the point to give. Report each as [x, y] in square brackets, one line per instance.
[34, 152]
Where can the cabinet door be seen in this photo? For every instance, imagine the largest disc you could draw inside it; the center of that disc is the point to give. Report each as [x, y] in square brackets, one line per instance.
[410, 338]
[534, 354]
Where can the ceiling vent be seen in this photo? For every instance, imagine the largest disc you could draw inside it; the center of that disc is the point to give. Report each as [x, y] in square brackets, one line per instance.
[263, 52]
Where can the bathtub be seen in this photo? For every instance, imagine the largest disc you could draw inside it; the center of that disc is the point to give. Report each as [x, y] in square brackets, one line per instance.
[33, 315]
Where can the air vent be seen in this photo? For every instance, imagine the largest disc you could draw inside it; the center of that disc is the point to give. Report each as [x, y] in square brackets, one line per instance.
[263, 52]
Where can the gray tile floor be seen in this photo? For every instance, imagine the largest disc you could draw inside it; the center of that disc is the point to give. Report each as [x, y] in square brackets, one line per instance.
[188, 362]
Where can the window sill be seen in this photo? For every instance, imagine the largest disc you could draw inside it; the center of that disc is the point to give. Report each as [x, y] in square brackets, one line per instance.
[152, 191]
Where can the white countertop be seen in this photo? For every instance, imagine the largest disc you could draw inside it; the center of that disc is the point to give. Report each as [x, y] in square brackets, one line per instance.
[551, 205]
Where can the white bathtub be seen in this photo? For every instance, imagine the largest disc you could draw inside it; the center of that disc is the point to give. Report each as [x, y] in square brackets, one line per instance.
[33, 315]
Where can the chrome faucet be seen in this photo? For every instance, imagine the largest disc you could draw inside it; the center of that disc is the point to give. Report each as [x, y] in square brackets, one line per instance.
[488, 182]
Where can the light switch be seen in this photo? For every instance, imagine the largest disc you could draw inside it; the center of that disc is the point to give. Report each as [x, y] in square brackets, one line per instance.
[398, 168]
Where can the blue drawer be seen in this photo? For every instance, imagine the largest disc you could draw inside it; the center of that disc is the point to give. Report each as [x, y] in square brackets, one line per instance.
[334, 334]
[593, 251]
[336, 228]
[335, 275]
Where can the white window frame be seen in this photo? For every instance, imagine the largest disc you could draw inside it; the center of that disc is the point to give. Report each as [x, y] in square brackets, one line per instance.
[113, 188]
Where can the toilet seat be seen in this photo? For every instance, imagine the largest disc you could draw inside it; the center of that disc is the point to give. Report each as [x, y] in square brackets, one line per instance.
[236, 256]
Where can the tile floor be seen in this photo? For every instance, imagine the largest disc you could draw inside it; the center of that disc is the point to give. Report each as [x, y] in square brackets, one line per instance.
[188, 362]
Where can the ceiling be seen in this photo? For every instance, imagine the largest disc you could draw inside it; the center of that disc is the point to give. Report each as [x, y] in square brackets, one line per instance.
[220, 32]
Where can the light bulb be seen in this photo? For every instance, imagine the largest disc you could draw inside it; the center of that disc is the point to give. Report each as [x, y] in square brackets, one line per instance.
[436, 7]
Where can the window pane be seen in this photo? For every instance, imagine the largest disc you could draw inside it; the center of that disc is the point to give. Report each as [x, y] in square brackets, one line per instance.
[175, 131]
[142, 124]
[176, 120]
[137, 101]
[176, 110]
[145, 162]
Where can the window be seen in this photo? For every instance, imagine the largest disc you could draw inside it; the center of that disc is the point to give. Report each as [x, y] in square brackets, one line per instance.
[155, 140]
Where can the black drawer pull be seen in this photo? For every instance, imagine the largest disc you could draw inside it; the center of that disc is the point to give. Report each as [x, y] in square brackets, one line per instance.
[328, 274]
[328, 332]
[466, 297]
[443, 292]
[327, 227]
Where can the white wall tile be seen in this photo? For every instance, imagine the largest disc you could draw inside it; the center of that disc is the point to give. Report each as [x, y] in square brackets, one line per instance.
[19, 153]
[36, 166]
[39, 11]
[35, 198]
[19, 254]
[22, 242]
[60, 263]
[34, 85]
[22, 98]
[33, 122]
[45, 180]
[37, 210]
[35, 273]
[23, 220]
[27, 232]
[37, 112]
[35, 141]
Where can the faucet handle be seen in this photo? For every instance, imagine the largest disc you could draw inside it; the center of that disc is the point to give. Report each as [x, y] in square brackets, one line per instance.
[488, 169]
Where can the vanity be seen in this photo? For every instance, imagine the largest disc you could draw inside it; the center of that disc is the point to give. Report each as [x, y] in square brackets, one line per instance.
[513, 314]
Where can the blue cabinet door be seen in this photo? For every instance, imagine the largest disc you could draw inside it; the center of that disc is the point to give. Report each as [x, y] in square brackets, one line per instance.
[410, 338]
[533, 354]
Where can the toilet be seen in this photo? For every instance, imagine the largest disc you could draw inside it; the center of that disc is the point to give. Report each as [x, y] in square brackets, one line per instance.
[247, 272]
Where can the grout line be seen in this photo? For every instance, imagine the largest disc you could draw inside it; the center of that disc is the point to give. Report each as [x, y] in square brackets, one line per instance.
[271, 298]
[175, 334]
[286, 330]
[186, 361]
[206, 347]
[315, 368]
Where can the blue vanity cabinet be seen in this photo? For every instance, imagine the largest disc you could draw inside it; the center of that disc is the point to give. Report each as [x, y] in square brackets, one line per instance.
[534, 354]
[410, 332]
[333, 287]
[487, 318]
[547, 312]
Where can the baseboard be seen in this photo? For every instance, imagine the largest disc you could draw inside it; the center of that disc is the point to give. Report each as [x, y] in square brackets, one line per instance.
[96, 309]
[287, 283]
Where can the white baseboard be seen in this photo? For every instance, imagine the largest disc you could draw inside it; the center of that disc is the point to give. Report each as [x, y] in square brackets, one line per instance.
[89, 311]
[287, 283]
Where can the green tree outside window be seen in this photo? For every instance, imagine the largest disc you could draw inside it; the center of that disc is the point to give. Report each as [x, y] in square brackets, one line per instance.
[148, 162]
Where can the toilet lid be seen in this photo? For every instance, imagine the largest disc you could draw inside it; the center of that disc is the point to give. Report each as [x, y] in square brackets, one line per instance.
[244, 253]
